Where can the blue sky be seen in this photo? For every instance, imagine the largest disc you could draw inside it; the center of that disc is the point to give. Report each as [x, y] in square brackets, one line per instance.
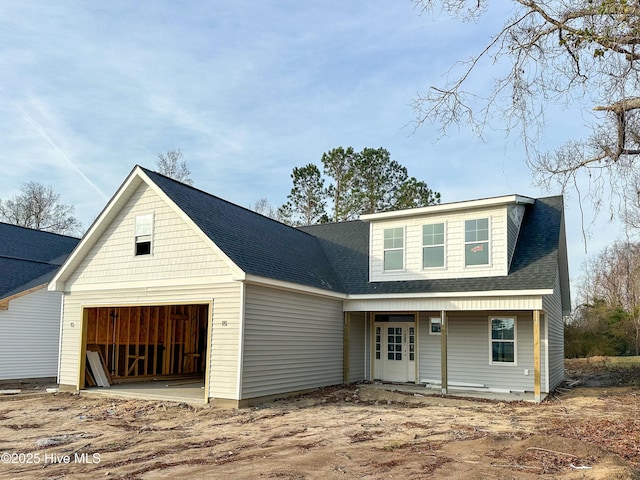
[247, 90]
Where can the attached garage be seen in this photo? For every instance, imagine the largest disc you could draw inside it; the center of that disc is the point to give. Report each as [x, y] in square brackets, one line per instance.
[147, 342]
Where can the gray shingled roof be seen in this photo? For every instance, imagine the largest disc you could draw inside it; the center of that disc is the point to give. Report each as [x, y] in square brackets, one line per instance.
[29, 258]
[335, 256]
[257, 244]
[534, 264]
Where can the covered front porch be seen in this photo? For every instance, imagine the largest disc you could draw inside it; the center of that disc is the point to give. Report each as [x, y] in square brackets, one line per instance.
[484, 353]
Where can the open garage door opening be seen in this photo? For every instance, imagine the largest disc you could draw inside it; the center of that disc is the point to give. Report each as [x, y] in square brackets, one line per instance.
[147, 342]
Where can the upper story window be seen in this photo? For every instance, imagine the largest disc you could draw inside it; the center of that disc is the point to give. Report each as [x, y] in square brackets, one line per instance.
[502, 337]
[144, 233]
[393, 248]
[476, 242]
[433, 245]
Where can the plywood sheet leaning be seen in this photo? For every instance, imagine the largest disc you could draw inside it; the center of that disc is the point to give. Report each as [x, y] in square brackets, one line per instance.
[97, 368]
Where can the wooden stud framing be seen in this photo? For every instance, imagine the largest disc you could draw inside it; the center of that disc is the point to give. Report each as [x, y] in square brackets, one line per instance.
[142, 341]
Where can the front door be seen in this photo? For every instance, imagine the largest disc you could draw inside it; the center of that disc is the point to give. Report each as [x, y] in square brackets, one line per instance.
[396, 344]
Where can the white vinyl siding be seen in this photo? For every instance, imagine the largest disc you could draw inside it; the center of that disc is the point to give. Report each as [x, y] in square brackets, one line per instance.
[428, 350]
[183, 269]
[454, 250]
[178, 251]
[224, 335]
[468, 356]
[29, 336]
[555, 327]
[292, 341]
[357, 347]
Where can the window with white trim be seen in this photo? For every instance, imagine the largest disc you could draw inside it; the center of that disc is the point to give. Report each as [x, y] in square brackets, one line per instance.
[476, 242]
[435, 326]
[433, 245]
[393, 249]
[143, 234]
[502, 337]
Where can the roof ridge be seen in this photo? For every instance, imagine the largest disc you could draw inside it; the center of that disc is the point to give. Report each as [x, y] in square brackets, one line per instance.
[21, 259]
[147, 170]
[38, 230]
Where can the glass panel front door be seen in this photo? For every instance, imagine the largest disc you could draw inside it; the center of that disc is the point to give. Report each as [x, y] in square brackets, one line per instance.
[395, 351]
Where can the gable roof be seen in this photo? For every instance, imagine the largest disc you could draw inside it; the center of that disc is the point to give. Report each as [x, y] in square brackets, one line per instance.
[335, 257]
[257, 244]
[30, 258]
[538, 255]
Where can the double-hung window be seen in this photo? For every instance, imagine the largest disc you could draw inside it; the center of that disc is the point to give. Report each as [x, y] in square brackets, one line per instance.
[433, 245]
[144, 233]
[393, 249]
[502, 337]
[476, 242]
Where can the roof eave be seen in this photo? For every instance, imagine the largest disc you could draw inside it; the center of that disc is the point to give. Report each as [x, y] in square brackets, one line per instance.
[477, 294]
[449, 207]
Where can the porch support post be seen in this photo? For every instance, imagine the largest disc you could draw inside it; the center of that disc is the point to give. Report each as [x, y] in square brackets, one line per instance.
[536, 356]
[346, 347]
[443, 352]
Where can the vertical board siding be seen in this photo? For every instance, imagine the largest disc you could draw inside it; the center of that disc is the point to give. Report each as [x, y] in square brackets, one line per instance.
[177, 250]
[552, 305]
[292, 341]
[357, 339]
[29, 336]
[468, 353]
[454, 246]
[428, 349]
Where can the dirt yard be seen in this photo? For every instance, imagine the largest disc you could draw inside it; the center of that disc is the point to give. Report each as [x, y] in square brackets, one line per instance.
[585, 432]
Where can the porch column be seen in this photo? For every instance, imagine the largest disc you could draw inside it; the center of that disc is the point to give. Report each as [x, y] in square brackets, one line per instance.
[443, 352]
[346, 347]
[536, 356]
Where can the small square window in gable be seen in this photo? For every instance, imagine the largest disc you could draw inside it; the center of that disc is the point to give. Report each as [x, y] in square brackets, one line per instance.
[143, 234]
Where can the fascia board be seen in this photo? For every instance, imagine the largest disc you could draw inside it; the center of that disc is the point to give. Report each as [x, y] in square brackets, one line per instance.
[282, 285]
[478, 294]
[450, 207]
[123, 193]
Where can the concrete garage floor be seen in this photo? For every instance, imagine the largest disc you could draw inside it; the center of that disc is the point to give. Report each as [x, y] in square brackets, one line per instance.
[184, 391]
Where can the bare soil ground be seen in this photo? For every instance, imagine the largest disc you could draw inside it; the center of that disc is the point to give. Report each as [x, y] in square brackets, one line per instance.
[582, 432]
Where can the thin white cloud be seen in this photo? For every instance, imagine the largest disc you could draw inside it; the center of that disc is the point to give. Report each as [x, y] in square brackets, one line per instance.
[43, 133]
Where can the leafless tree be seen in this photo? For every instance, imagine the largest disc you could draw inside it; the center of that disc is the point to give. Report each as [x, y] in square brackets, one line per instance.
[173, 165]
[564, 52]
[39, 207]
[264, 207]
[613, 278]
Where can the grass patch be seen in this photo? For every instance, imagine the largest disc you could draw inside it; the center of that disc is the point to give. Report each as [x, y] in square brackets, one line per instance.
[610, 371]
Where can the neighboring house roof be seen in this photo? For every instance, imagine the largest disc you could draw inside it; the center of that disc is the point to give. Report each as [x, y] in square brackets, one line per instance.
[30, 258]
[538, 255]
